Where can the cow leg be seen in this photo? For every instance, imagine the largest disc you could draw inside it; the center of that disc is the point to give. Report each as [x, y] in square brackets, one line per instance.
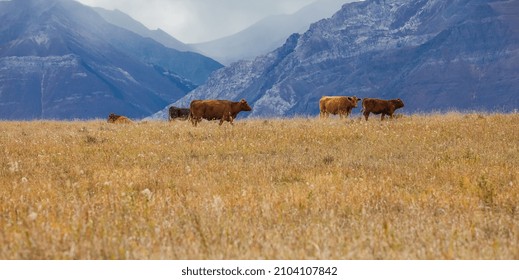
[366, 115]
[383, 116]
[192, 119]
[196, 121]
[324, 114]
[226, 117]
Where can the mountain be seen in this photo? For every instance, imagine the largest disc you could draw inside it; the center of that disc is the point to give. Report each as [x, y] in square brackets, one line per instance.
[123, 20]
[60, 60]
[436, 55]
[267, 34]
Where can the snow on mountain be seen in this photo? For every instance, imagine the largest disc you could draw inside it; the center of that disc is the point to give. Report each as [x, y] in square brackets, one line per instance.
[267, 34]
[434, 54]
[60, 60]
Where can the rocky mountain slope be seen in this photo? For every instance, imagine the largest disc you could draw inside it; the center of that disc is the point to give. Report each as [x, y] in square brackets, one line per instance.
[60, 60]
[267, 34]
[436, 55]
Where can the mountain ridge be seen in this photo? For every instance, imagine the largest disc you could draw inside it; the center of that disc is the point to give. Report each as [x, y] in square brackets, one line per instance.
[435, 55]
[266, 34]
[61, 60]
[119, 18]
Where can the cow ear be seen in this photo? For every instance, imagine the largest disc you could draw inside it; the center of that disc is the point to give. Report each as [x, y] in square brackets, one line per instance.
[243, 101]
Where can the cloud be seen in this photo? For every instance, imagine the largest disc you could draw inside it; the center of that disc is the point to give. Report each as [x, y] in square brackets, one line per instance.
[200, 20]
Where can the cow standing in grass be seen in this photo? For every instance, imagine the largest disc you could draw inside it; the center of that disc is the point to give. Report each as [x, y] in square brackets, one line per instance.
[337, 105]
[222, 110]
[176, 113]
[379, 106]
[113, 118]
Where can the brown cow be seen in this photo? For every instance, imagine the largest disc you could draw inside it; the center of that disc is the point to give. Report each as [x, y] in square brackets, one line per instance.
[379, 106]
[178, 113]
[113, 118]
[222, 110]
[341, 105]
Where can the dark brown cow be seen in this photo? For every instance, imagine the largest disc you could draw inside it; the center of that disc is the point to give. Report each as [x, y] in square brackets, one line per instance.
[379, 106]
[113, 118]
[341, 105]
[178, 113]
[222, 110]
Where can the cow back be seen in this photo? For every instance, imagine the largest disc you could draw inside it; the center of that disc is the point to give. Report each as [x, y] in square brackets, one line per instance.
[378, 106]
[113, 118]
[178, 113]
[209, 109]
[337, 104]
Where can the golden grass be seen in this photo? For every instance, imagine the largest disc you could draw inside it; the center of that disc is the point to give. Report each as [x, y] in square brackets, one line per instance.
[419, 187]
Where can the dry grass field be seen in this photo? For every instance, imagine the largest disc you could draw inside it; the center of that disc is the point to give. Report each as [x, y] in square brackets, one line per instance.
[417, 187]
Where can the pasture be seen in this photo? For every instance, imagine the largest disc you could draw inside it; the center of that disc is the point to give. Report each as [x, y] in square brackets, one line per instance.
[417, 187]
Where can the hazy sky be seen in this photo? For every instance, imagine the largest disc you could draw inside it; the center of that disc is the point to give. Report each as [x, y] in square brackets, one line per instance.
[200, 20]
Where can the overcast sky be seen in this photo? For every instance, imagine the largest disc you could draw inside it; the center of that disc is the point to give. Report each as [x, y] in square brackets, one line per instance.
[193, 21]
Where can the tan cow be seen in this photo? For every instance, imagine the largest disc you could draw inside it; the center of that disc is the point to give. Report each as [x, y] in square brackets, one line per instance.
[113, 118]
[380, 106]
[341, 105]
[222, 110]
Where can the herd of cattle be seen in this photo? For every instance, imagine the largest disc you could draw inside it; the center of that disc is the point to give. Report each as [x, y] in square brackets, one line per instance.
[225, 110]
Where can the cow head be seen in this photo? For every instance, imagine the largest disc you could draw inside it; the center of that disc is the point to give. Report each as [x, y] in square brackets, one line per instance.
[112, 117]
[244, 106]
[354, 100]
[398, 103]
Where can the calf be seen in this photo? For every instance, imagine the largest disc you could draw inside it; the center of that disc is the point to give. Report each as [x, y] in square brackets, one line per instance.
[222, 110]
[113, 118]
[341, 105]
[178, 113]
[379, 106]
